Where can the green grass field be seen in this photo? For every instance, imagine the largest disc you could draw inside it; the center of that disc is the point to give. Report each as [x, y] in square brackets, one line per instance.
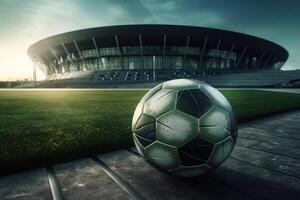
[40, 127]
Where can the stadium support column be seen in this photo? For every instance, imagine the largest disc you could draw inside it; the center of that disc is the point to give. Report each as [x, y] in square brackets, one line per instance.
[164, 52]
[260, 59]
[154, 62]
[142, 52]
[272, 62]
[218, 45]
[120, 51]
[202, 51]
[186, 51]
[34, 71]
[50, 64]
[241, 57]
[58, 62]
[98, 52]
[229, 54]
[79, 53]
[68, 56]
[267, 60]
[217, 55]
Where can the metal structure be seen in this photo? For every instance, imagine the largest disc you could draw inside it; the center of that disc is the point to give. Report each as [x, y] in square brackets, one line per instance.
[175, 48]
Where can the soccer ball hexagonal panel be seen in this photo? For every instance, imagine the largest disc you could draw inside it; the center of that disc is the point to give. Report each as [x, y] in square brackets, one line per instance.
[178, 84]
[220, 152]
[214, 117]
[137, 113]
[163, 155]
[213, 134]
[143, 120]
[215, 125]
[161, 102]
[193, 102]
[176, 128]
[195, 152]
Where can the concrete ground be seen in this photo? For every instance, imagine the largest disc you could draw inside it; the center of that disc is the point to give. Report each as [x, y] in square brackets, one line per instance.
[265, 164]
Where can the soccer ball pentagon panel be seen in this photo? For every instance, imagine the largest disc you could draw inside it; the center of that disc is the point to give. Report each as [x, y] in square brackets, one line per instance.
[184, 127]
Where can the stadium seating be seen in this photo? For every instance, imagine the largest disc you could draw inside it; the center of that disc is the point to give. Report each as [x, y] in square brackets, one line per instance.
[241, 78]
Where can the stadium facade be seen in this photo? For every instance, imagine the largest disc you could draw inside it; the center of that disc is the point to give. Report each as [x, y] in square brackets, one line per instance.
[152, 53]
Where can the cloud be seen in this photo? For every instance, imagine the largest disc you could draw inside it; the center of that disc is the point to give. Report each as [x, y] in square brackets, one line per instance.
[181, 12]
[277, 21]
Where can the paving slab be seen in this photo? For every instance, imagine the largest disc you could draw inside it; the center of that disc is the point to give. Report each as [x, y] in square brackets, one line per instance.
[282, 132]
[265, 183]
[274, 148]
[85, 179]
[246, 142]
[31, 185]
[256, 136]
[287, 165]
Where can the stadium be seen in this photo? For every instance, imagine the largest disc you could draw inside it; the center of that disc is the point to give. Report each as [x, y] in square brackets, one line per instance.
[142, 55]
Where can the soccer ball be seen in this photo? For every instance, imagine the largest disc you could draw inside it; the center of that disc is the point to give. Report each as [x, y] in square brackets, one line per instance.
[184, 127]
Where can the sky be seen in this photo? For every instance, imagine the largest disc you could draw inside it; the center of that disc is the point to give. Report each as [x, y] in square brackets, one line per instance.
[24, 22]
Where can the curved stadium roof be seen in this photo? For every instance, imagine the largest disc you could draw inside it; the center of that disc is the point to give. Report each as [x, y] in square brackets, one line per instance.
[153, 34]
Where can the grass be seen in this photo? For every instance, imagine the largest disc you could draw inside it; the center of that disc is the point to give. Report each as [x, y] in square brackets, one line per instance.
[41, 127]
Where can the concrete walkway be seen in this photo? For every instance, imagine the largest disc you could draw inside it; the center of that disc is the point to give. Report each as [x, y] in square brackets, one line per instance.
[265, 164]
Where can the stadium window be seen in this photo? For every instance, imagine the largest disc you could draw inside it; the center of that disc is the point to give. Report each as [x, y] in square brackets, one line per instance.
[178, 62]
[103, 63]
[158, 62]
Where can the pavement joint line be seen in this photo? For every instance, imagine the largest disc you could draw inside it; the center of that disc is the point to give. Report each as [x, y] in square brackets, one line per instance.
[251, 146]
[54, 185]
[267, 151]
[262, 126]
[266, 131]
[269, 135]
[281, 119]
[267, 141]
[267, 168]
[135, 195]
